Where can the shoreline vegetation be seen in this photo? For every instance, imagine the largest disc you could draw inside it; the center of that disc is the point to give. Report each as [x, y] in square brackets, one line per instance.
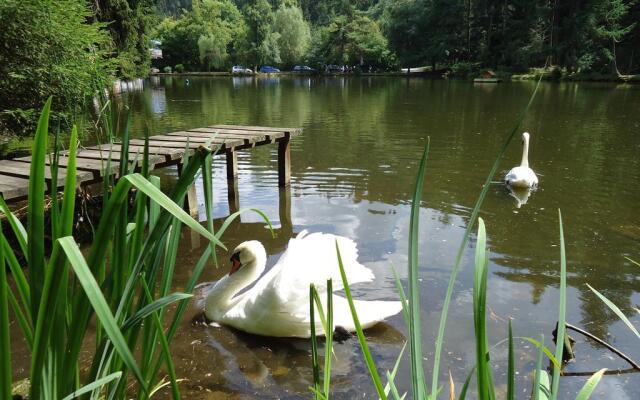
[73, 49]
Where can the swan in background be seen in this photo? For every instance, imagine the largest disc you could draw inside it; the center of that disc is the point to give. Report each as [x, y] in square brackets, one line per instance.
[522, 176]
[278, 303]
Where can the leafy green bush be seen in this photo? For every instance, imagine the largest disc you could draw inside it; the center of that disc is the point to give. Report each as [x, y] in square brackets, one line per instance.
[179, 68]
[166, 70]
[50, 48]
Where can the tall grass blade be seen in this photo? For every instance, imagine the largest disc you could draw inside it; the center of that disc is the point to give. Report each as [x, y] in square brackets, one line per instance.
[418, 383]
[483, 370]
[94, 385]
[590, 385]
[94, 294]
[465, 386]
[16, 226]
[403, 298]
[5, 337]
[562, 310]
[463, 244]
[616, 310]
[153, 306]
[35, 210]
[163, 200]
[328, 333]
[361, 338]
[537, 373]
[392, 387]
[511, 368]
[314, 342]
[18, 275]
[394, 371]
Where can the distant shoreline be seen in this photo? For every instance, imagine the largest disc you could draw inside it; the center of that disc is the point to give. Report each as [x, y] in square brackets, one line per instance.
[506, 77]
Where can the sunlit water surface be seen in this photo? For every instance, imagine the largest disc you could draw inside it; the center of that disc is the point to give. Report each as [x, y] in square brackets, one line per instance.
[353, 173]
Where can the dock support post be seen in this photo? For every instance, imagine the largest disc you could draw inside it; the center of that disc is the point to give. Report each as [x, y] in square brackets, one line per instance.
[191, 201]
[284, 209]
[232, 196]
[232, 165]
[284, 160]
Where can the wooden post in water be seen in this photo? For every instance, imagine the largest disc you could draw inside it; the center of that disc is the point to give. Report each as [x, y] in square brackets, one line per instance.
[284, 160]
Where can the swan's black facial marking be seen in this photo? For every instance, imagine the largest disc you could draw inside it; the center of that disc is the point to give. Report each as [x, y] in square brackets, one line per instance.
[235, 263]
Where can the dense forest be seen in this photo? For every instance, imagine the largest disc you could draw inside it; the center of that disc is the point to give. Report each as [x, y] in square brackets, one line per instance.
[73, 48]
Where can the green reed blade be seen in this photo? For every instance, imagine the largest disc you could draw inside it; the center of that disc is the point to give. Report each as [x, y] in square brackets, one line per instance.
[153, 306]
[16, 226]
[616, 310]
[97, 300]
[164, 343]
[320, 309]
[54, 274]
[394, 371]
[6, 370]
[590, 385]
[165, 202]
[483, 370]
[23, 321]
[94, 385]
[328, 333]
[314, 342]
[465, 386]
[207, 186]
[392, 387]
[543, 348]
[463, 244]
[418, 383]
[69, 199]
[637, 264]
[373, 372]
[18, 275]
[403, 297]
[562, 310]
[511, 369]
[538, 371]
[236, 214]
[35, 210]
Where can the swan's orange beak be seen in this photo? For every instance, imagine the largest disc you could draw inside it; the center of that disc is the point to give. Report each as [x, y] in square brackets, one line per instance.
[235, 263]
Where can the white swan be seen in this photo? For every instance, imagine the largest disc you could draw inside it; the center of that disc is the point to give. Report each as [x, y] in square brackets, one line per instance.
[278, 304]
[522, 176]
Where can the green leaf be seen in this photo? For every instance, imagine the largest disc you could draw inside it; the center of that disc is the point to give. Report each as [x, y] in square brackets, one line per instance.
[100, 306]
[562, 310]
[315, 365]
[35, 210]
[418, 383]
[511, 369]
[69, 199]
[16, 226]
[590, 385]
[165, 202]
[152, 307]
[6, 370]
[94, 385]
[616, 310]
[373, 372]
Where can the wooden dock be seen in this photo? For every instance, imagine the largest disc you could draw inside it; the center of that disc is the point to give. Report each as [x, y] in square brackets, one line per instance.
[164, 150]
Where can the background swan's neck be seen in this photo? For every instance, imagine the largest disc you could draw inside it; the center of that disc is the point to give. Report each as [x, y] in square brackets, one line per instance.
[525, 152]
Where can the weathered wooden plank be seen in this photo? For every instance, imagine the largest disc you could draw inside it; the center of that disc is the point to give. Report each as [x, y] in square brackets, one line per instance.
[239, 133]
[228, 142]
[169, 153]
[13, 188]
[22, 170]
[176, 147]
[97, 154]
[254, 128]
[97, 167]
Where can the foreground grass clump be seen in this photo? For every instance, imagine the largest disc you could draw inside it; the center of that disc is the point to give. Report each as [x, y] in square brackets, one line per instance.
[124, 280]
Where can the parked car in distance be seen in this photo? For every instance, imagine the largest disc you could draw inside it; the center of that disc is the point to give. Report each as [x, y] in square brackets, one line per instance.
[303, 69]
[267, 69]
[240, 70]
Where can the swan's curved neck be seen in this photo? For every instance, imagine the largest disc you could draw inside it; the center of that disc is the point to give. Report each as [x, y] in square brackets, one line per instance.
[525, 153]
[223, 295]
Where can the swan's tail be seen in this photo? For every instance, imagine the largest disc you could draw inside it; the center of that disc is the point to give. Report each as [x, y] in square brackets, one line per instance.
[369, 312]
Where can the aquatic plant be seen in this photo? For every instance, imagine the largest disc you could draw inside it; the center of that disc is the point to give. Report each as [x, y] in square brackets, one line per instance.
[123, 279]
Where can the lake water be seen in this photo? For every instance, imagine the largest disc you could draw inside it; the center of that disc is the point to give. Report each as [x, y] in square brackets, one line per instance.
[353, 173]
